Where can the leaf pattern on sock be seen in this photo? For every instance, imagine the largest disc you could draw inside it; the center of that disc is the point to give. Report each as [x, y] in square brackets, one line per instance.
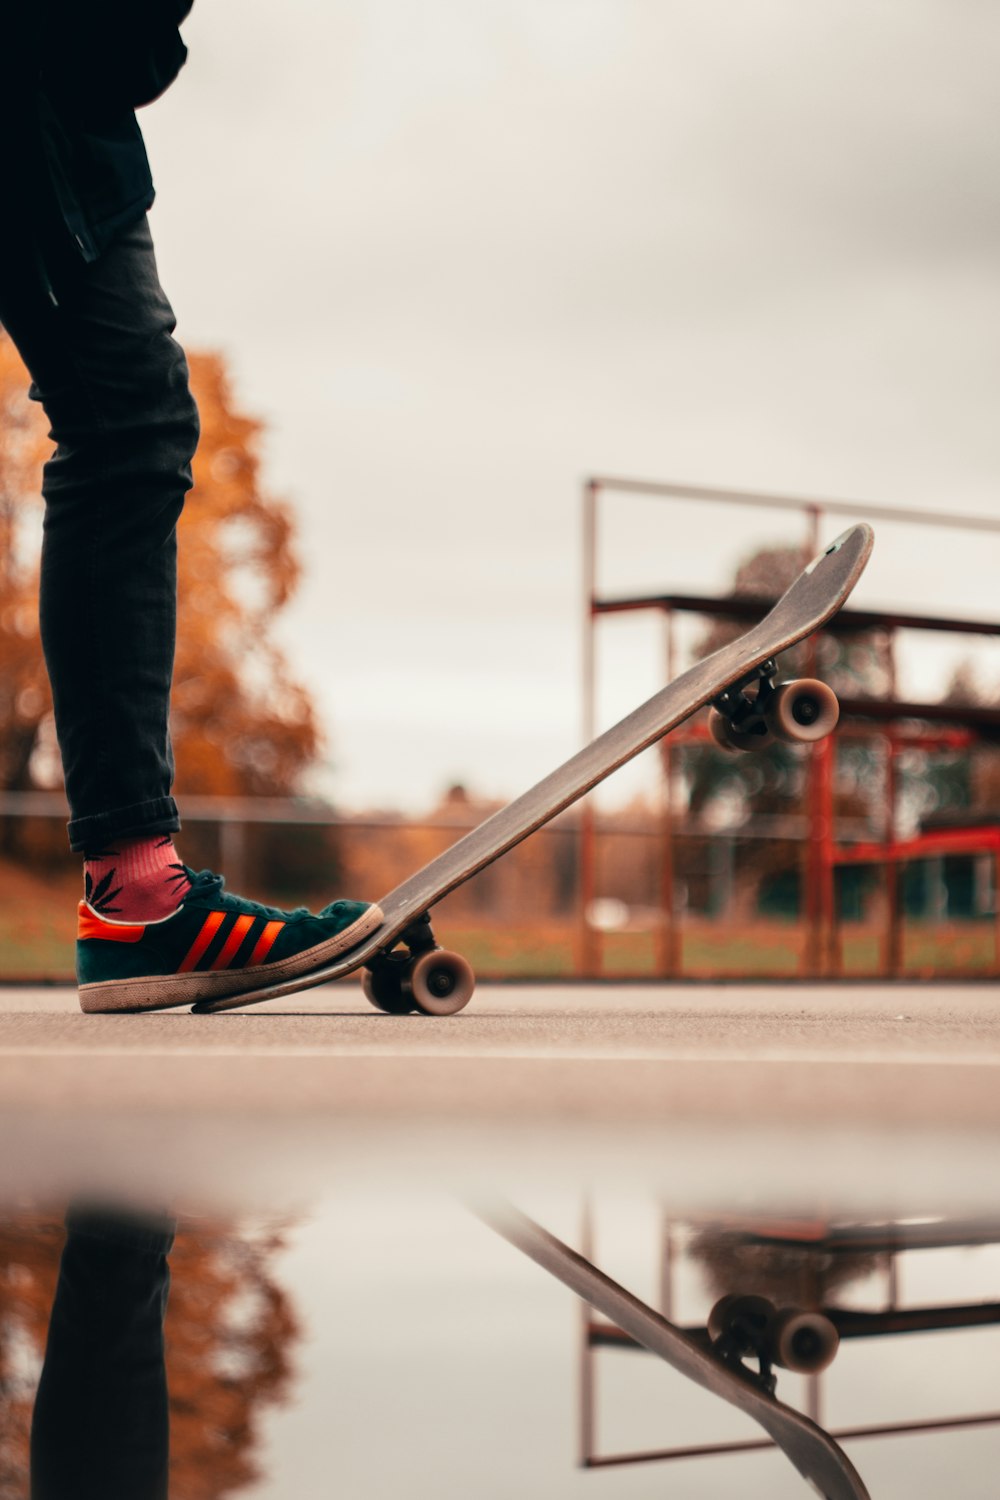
[181, 879]
[143, 881]
[100, 896]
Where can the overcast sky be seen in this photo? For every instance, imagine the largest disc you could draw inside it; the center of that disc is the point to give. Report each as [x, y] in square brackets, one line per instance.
[461, 255]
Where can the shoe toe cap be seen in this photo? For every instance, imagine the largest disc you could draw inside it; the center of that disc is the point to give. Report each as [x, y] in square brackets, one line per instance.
[344, 912]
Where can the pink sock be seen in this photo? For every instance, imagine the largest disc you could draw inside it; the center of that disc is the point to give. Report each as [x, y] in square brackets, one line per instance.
[137, 880]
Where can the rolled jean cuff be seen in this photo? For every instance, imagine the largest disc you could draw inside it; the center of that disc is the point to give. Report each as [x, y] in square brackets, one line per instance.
[142, 818]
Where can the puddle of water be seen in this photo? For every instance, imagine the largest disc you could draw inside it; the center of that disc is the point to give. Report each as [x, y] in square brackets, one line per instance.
[385, 1340]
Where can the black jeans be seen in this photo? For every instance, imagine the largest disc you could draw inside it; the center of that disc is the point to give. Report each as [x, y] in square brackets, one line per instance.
[100, 1428]
[97, 340]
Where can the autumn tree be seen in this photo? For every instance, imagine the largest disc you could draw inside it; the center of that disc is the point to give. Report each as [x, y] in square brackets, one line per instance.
[230, 1335]
[799, 1272]
[30, 1246]
[24, 692]
[230, 1332]
[241, 724]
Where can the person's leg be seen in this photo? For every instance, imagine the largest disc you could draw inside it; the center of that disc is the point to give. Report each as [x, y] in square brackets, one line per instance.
[114, 385]
[113, 382]
[100, 1426]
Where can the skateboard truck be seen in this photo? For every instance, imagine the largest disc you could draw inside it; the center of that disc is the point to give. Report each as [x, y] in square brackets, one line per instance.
[798, 711]
[796, 1339]
[739, 1327]
[414, 973]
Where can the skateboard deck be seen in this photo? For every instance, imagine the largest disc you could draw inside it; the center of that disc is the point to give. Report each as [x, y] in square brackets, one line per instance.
[819, 1460]
[815, 596]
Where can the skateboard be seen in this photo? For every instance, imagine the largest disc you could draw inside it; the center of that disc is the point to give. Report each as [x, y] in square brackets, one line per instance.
[715, 1362]
[406, 970]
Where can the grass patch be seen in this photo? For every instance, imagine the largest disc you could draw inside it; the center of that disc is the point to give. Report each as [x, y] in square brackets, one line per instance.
[962, 948]
[38, 933]
[37, 923]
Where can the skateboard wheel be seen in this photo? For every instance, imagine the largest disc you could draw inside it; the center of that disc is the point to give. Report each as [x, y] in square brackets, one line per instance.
[384, 987]
[802, 711]
[728, 737]
[440, 983]
[803, 1341]
[742, 1321]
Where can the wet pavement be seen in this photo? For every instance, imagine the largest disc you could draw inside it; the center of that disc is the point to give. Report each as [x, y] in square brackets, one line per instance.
[386, 1342]
[330, 1192]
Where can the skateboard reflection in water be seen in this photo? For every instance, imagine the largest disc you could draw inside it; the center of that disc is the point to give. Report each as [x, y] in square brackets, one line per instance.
[81, 299]
[101, 1424]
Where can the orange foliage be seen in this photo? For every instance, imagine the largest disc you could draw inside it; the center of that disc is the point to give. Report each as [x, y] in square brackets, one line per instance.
[240, 724]
[24, 693]
[29, 1261]
[229, 1333]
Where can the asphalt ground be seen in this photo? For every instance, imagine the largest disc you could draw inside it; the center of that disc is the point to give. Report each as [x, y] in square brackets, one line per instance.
[866, 1091]
[907, 1055]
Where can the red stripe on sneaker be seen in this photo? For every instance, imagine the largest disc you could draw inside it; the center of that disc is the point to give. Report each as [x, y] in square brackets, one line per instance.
[227, 952]
[209, 928]
[264, 943]
[90, 925]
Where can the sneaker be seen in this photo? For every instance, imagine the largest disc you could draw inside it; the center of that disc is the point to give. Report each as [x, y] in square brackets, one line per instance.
[214, 944]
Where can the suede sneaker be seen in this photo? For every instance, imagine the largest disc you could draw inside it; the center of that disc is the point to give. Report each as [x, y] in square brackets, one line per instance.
[214, 944]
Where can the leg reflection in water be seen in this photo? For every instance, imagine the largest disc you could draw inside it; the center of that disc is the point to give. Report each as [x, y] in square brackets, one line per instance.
[100, 1426]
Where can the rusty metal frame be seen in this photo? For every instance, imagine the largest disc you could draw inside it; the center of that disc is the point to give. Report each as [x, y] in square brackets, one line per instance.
[822, 956]
[598, 1332]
